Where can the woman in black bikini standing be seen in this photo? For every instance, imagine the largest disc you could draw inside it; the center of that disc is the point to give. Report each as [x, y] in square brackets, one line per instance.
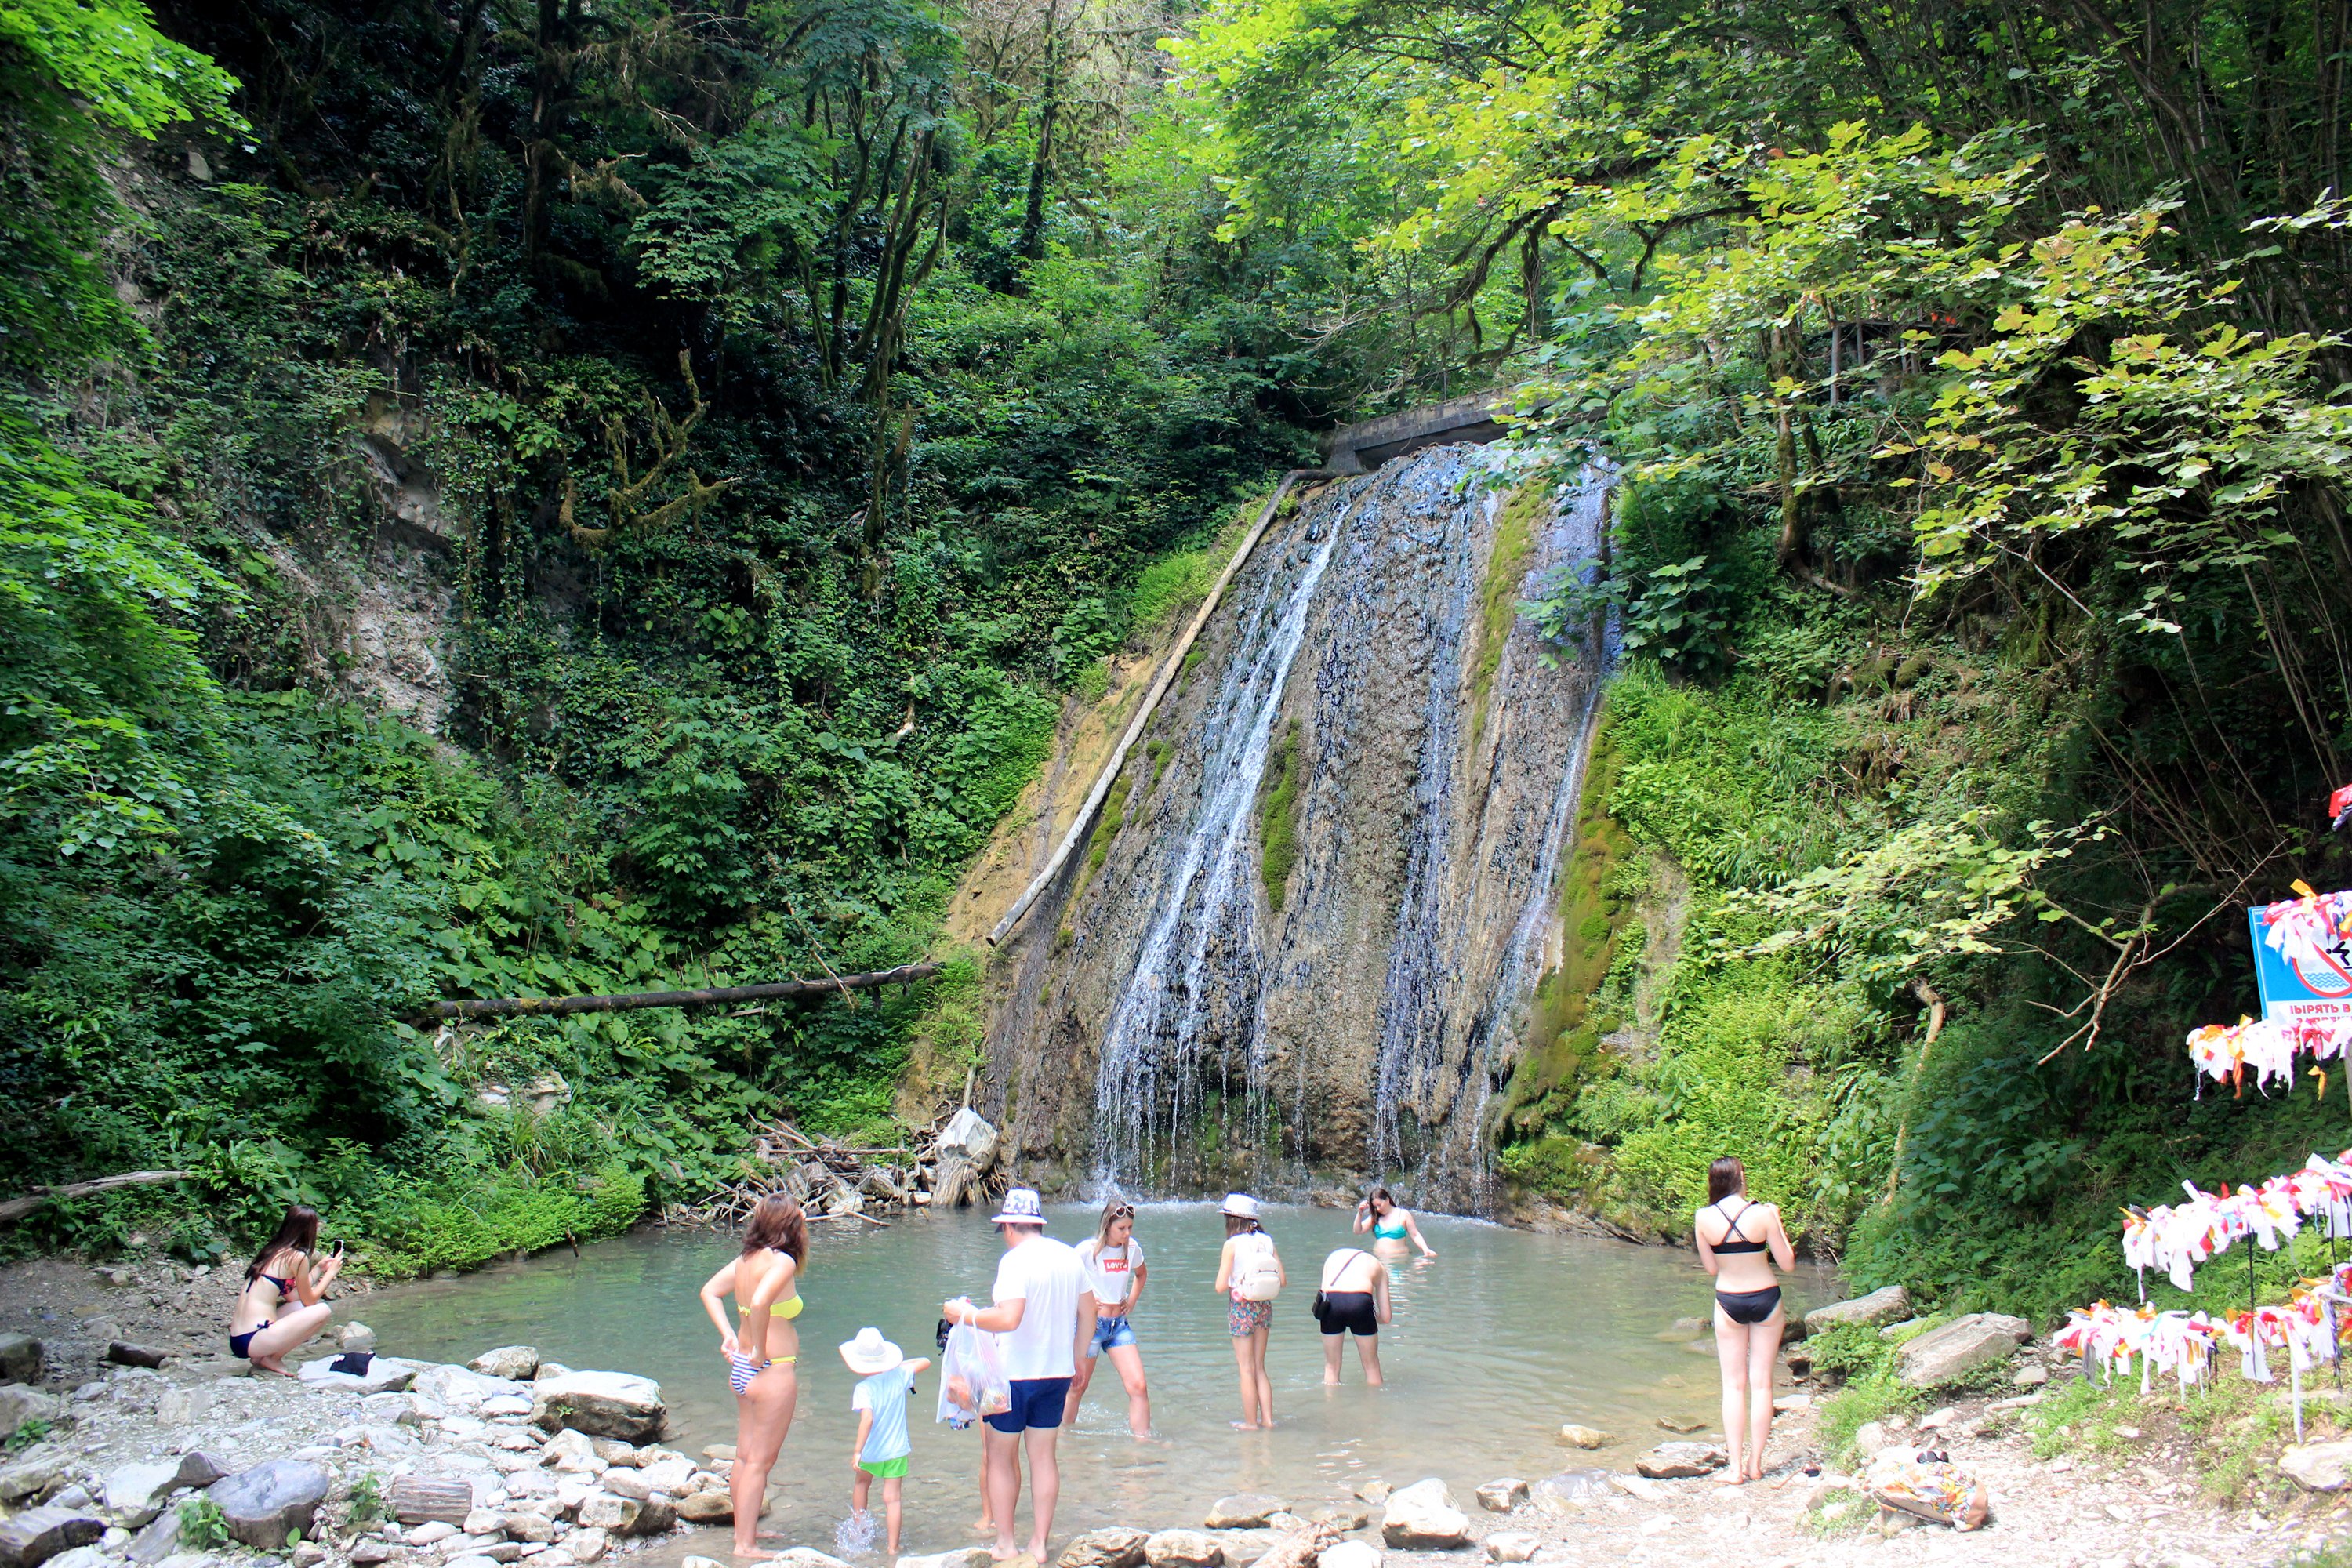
[280, 1306]
[1740, 1242]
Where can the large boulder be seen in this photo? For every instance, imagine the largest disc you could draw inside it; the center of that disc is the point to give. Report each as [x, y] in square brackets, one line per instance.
[1884, 1306]
[517, 1362]
[37, 1534]
[601, 1403]
[1681, 1461]
[1422, 1518]
[385, 1375]
[20, 1404]
[35, 1476]
[970, 1137]
[135, 1493]
[1247, 1511]
[1184, 1549]
[1117, 1547]
[1946, 1354]
[1351, 1554]
[269, 1502]
[805, 1557]
[667, 1474]
[158, 1541]
[2319, 1466]
[707, 1507]
[463, 1388]
[21, 1358]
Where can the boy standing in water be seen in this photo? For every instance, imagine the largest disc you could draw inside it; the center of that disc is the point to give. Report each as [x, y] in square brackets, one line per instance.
[880, 1401]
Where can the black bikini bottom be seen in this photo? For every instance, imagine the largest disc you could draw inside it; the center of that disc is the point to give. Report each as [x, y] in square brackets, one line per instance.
[1348, 1311]
[1749, 1307]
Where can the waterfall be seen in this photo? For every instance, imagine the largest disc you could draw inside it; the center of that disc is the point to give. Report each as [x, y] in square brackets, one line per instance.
[1148, 1078]
[1354, 1020]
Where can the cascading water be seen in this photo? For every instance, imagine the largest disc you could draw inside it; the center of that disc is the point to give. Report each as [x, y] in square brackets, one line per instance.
[1147, 1079]
[1352, 1018]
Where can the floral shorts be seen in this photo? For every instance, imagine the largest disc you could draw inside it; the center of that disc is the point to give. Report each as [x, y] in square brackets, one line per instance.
[1247, 1318]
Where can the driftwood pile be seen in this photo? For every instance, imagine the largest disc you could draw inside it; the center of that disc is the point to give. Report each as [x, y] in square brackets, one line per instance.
[946, 1164]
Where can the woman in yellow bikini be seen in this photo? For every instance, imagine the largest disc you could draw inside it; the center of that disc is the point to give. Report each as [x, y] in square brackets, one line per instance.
[761, 1349]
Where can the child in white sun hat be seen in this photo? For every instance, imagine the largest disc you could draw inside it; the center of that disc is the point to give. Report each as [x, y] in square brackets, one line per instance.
[880, 1400]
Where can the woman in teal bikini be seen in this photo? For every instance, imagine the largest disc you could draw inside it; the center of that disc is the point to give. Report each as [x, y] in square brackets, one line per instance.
[1390, 1225]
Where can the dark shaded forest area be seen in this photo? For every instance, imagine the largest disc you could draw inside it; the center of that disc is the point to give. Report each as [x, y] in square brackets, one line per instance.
[513, 496]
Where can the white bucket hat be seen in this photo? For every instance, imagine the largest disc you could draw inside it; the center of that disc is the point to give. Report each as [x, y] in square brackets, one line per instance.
[869, 1352]
[1021, 1207]
[1241, 1205]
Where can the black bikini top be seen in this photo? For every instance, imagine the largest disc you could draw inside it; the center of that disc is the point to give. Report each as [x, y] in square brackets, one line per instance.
[1730, 1229]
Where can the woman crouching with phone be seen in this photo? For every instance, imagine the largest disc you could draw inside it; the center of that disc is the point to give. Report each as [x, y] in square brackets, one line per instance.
[280, 1306]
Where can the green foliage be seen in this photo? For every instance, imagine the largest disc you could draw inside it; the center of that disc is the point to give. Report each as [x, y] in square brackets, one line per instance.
[465, 1225]
[203, 1526]
[26, 1434]
[367, 1497]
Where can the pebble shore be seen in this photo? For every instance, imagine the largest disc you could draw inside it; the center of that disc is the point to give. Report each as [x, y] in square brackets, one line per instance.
[488, 1465]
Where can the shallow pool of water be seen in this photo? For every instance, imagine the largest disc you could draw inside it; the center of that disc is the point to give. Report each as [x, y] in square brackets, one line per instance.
[1506, 1335]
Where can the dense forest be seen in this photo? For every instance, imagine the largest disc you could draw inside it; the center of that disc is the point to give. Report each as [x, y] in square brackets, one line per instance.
[526, 497]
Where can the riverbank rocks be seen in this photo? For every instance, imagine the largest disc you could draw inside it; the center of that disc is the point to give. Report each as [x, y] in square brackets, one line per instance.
[965, 1557]
[461, 1388]
[122, 1352]
[1885, 1306]
[21, 1358]
[1681, 1461]
[1511, 1546]
[135, 1493]
[1943, 1356]
[587, 1544]
[1422, 1518]
[1351, 1554]
[601, 1403]
[609, 1511]
[1248, 1511]
[37, 1534]
[1182, 1548]
[19, 1403]
[385, 1375]
[269, 1502]
[1340, 1516]
[1576, 1436]
[1570, 1489]
[1374, 1492]
[429, 1499]
[1503, 1495]
[517, 1364]
[2319, 1466]
[1117, 1547]
[714, 1507]
[1243, 1548]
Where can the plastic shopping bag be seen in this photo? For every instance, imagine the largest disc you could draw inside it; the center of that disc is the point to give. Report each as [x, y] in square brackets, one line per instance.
[972, 1382]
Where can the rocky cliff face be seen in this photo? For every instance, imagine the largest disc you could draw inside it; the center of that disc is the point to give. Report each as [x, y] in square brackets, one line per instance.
[1301, 940]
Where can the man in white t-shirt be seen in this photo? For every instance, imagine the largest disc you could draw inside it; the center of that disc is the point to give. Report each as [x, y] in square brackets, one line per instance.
[1041, 1312]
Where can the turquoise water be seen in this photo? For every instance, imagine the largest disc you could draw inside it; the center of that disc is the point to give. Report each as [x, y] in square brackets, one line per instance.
[1503, 1337]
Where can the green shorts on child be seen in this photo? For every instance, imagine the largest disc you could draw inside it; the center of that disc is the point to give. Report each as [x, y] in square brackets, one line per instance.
[885, 1469]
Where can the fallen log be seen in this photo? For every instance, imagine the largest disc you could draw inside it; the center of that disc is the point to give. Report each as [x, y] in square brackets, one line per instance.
[558, 1006]
[17, 1208]
[1172, 666]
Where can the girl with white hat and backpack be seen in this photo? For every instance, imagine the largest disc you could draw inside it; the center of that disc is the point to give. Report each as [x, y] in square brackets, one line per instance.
[1249, 1270]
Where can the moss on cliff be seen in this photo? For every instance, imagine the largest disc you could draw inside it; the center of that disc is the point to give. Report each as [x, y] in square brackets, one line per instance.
[1498, 596]
[1564, 1025]
[1277, 818]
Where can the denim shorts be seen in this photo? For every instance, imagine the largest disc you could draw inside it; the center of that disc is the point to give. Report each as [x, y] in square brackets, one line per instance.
[1109, 1334]
[1036, 1405]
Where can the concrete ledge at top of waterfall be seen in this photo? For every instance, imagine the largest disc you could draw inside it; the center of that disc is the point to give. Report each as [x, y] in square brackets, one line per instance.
[599, 1404]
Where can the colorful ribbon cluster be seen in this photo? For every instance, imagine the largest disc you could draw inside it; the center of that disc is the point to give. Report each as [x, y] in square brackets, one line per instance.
[2177, 1237]
[2313, 934]
[2223, 1052]
[2308, 1326]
